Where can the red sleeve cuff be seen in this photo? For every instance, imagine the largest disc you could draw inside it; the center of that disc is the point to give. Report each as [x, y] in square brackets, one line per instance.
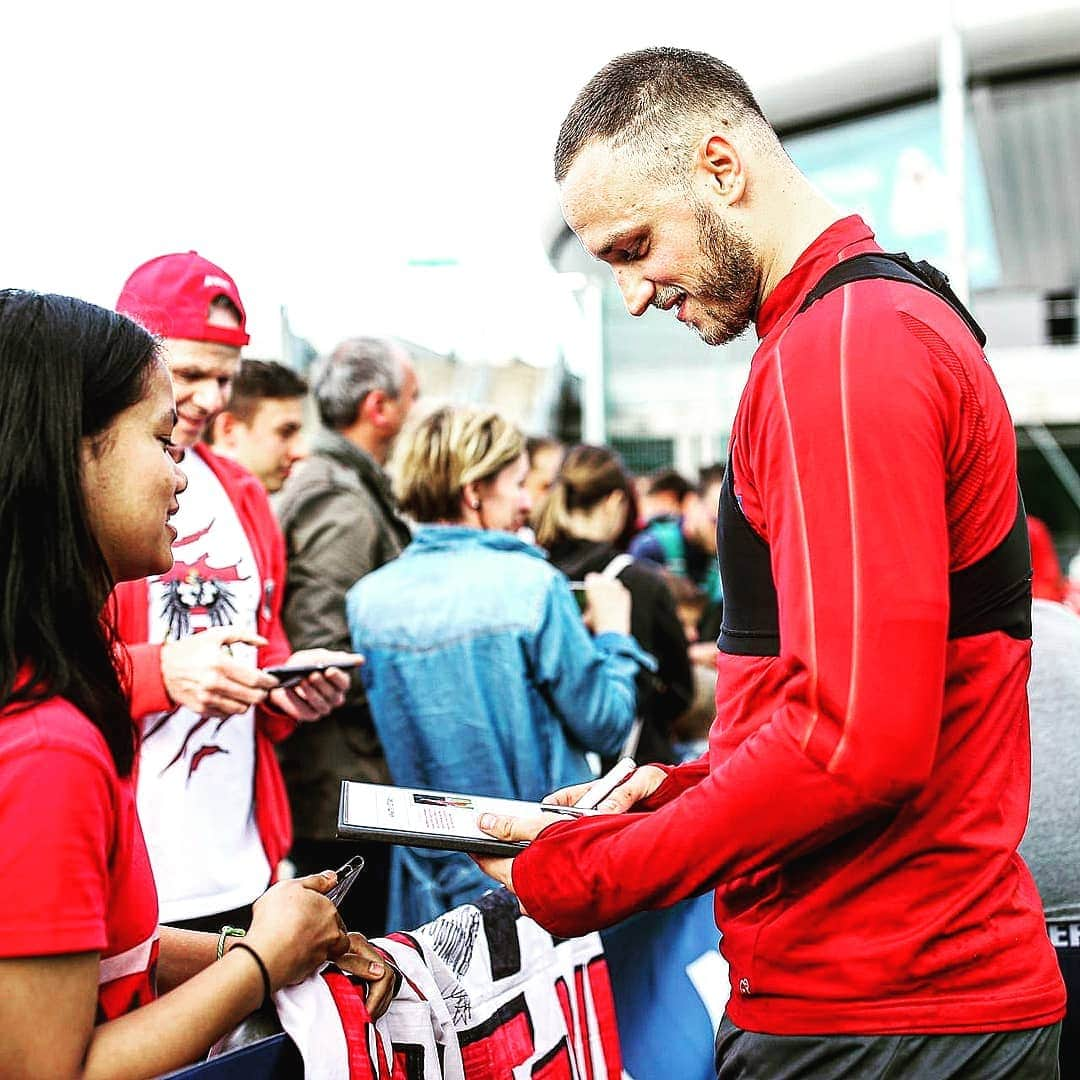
[680, 778]
[147, 691]
[273, 723]
[54, 939]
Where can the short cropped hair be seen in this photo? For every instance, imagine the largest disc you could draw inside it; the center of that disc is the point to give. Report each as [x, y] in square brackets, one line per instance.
[342, 380]
[534, 444]
[709, 475]
[643, 96]
[669, 481]
[257, 380]
[448, 449]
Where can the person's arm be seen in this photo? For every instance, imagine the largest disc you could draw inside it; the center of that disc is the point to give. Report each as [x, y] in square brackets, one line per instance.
[333, 542]
[48, 1013]
[590, 682]
[320, 693]
[667, 642]
[61, 809]
[184, 953]
[846, 476]
[48, 1003]
[146, 687]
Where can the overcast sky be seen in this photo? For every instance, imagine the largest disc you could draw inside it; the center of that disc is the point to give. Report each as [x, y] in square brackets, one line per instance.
[315, 149]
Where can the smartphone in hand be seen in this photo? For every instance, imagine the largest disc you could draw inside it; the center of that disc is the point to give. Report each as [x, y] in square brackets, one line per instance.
[291, 674]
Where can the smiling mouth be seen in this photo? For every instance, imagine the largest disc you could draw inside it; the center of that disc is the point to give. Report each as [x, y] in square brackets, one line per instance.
[675, 298]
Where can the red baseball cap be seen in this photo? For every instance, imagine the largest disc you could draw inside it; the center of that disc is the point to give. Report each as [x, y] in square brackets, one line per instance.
[171, 296]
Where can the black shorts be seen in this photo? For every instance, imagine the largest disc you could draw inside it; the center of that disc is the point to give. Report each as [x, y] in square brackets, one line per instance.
[747, 1055]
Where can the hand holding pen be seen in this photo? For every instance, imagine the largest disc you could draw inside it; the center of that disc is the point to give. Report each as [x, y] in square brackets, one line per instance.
[573, 801]
[614, 792]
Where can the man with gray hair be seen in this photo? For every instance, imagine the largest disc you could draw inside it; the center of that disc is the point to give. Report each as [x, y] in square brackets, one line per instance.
[340, 523]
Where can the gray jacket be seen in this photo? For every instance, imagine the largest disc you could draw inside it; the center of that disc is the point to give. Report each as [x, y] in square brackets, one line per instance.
[338, 516]
[1051, 846]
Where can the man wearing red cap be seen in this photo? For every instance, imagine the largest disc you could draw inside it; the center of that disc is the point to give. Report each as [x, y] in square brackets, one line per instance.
[211, 799]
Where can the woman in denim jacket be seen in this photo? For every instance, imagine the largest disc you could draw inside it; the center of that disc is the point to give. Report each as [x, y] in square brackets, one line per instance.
[481, 674]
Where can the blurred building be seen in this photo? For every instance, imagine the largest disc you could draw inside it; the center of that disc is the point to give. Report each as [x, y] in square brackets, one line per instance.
[869, 134]
[537, 399]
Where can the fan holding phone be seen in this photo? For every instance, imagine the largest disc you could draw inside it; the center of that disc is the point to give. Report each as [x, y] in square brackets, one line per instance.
[210, 793]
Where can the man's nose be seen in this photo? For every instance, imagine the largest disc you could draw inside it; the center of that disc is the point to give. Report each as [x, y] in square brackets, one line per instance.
[299, 449]
[637, 290]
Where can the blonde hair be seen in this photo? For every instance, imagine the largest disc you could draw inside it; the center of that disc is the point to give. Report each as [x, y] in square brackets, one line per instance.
[448, 449]
[587, 475]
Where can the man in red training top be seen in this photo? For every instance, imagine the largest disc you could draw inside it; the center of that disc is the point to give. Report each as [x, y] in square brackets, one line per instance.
[866, 784]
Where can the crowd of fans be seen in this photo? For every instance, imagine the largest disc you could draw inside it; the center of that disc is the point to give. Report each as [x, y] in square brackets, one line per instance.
[518, 604]
[513, 645]
[469, 609]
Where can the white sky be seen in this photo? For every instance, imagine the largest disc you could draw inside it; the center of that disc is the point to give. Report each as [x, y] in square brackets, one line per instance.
[314, 149]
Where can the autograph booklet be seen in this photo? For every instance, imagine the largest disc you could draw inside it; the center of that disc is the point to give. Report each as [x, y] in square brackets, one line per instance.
[434, 819]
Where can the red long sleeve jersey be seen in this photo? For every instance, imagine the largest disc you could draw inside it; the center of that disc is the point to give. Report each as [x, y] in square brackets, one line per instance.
[865, 789]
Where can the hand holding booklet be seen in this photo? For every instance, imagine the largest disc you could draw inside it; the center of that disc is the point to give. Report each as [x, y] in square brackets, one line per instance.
[435, 819]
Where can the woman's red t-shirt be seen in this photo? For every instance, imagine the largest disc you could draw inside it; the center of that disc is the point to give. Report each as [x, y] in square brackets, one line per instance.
[73, 861]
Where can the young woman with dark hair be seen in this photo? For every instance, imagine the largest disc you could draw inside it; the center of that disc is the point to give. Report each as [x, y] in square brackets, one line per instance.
[586, 523]
[90, 479]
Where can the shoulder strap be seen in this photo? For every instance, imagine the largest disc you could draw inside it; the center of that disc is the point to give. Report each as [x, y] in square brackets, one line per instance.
[893, 266]
[617, 565]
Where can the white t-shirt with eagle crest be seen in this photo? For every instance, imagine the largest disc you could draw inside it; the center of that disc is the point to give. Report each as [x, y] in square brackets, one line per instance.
[196, 773]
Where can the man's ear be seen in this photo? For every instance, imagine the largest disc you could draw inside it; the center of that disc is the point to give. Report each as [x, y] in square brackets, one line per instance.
[373, 407]
[223, 428]
[722, 163]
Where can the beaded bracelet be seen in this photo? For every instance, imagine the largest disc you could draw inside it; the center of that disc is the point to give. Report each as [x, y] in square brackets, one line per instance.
[267, 990]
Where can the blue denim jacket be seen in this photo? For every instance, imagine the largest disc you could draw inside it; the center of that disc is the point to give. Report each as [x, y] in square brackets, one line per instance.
[482, 678]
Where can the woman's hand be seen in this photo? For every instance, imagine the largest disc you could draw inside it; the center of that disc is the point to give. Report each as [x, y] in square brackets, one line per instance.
[371, 965]
[608, 610]
[295, 929]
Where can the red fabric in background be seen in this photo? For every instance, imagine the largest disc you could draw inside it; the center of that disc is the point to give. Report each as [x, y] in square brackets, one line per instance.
[1047, 581]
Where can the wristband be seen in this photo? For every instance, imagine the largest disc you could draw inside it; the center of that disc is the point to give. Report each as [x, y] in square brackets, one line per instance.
[267, 990]
[227, 932]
